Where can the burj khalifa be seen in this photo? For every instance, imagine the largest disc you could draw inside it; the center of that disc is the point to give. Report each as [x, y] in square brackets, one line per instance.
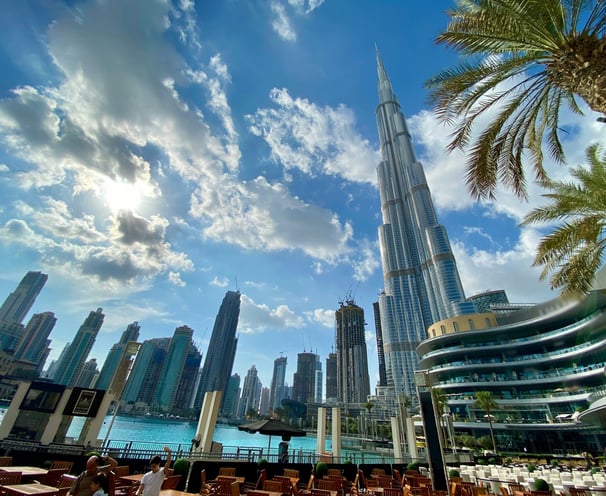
[421, 281]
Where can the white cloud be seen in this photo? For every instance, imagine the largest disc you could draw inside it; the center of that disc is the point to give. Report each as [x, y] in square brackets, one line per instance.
[281, 23]
[316, 140]
[220, 283]
[260, 317]
[322, 316]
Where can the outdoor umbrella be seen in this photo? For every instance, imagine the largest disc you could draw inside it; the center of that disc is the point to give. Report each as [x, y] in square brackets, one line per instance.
[272, 427]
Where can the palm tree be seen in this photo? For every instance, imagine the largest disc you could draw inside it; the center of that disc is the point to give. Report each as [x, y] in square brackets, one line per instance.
[439, 399]
[548, 52]
[486, 402]
[574, 251]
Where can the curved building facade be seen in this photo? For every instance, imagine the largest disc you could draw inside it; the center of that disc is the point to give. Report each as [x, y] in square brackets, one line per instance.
[543, 365]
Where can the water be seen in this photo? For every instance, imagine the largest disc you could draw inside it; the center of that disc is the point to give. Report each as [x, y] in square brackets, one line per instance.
[164, 431]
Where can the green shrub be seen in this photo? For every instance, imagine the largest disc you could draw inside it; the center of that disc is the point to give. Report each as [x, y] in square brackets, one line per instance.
[181, 467]
[492, 460]
[413, 466]
[481, 461]
[554, 462]
[321, 470]
[540, 485]
[531, 467]
[454, 473]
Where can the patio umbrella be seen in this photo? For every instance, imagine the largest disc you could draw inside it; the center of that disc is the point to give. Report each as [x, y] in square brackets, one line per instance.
[272, 427]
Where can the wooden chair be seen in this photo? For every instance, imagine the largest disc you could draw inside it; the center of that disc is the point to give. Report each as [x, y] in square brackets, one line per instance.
[124, 470]
[397, 476]
[421, 491]
[6, 461]
[334, 471]
[306, 489]
[222, 488]
[272, 485]
[578, 491]
[228, 471]
[10, 478]
[235, 488]
[291, 472]
[327, 484]
[504, 491]
[385, 481]
[61, 464]
[392, 491]
[377, 471]
[53, 476]
[320, 492]
[171, 481]
[248, 487]
[479, 491]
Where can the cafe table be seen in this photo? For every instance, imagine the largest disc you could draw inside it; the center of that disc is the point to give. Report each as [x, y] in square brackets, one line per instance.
[26, 471]
[29, 489]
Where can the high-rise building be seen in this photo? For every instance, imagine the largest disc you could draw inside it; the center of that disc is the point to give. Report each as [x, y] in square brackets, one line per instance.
[486, 300]
[264, 403]
[251, 393]
[319, 379]
[277, 392]
[221, 349]
[19, 302]
[352, 361]
[186, 391]
[304, 379]
[380, 351]
[232, 396]
[332, 389]
[115, 355]
[69, 368]
[89, 374]
[170, 377]
[145, 373]
[34, 345]
[421, 281]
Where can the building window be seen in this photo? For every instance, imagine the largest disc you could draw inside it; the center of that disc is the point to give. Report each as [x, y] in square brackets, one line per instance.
[471, 325]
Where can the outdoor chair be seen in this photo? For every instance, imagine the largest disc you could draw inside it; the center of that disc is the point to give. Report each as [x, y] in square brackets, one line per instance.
[272, 485]
[327, 484]
[385, 481]
[479, 491]
[124, 470]
[10, 478]
[248, 487]
[306, 489]
[229, 471]
[61, 464]
[6, 461]
[334, 471]
[392, 491]
[171, 482]
[320, 492]
[235, 489]
[291, 472]
[53, 476]
[578, 491]
[421, 491]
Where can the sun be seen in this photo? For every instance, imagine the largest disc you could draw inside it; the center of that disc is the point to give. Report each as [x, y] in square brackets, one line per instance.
[122, 195]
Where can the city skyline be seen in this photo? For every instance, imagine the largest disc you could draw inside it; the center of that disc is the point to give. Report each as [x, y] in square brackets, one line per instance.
[154, 157]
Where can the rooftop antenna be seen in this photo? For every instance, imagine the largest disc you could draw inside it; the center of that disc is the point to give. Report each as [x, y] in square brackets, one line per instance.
[237, 288]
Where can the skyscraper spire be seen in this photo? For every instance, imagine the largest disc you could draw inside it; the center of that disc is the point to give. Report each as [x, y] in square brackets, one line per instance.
[421, 282]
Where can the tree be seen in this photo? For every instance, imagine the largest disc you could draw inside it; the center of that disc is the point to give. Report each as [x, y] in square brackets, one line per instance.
[439, 398]
[574, 251]
[486, 402]
[547, 52]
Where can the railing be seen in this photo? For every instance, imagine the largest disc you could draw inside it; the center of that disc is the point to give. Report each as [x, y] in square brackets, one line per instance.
[145, 450]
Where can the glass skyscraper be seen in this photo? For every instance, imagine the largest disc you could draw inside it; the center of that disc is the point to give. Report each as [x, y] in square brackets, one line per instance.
[221, 349]
[18, 303]
[421, 281]
[278, 391]
[71, 362]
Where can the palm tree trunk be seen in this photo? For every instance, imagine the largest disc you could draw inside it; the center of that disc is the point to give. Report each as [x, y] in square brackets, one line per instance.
[580, 67]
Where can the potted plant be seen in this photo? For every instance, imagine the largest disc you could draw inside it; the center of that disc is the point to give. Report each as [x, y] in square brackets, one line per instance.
[181, 467]
[541, 485]
[321, 470]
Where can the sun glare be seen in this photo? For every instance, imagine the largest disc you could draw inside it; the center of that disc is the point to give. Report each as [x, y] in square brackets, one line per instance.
[122, 195]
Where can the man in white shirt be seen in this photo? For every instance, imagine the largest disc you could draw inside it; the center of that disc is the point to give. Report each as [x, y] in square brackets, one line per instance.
[151, 483]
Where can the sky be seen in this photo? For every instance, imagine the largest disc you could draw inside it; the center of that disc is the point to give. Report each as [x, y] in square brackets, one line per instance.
[156, 154]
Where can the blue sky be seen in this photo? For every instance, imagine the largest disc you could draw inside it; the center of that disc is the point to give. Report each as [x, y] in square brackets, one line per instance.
[155, 154]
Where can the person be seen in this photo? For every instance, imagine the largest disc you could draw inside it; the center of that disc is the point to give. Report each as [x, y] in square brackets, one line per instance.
[98, 484]
[283, 449]
[81, 486]
[151, 483]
